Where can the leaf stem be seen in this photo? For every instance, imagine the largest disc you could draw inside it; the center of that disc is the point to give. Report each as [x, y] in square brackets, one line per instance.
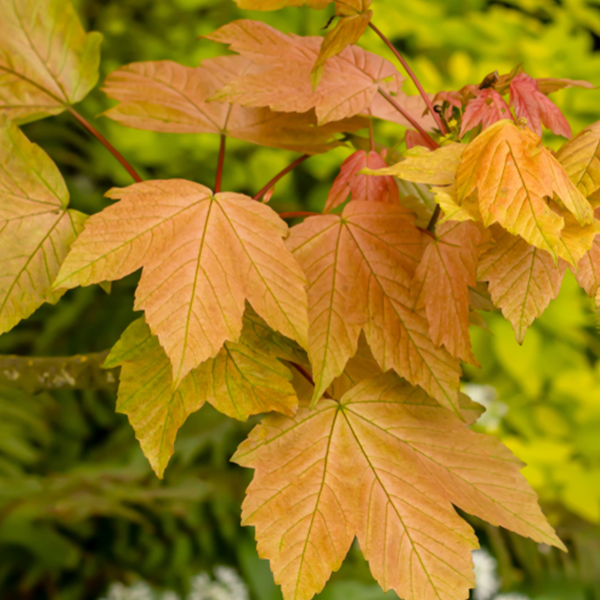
[307, 376]
[434, 218]
[371, 134]
[412, 75]
[297, 213]
[430, 141]
[281, 174]
[106, 144]
[220, 164]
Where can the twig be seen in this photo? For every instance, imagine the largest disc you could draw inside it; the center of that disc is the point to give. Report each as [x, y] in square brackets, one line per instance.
[412, 76]
[220, 164]
[81, 372]
[430, 141]
[281, 174]
[106, 144]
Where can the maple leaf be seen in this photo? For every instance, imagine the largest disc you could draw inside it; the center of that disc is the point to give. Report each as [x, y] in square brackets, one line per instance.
[413, 139]
[348, 85]
[167, 97]
[203, 255]
[242, 380]
[588, 271]
[486, 108]
[422, 165]
[513, 175]
[350, 181]
[522, 279]
[580, 158]
[443, 278]
[359, 267]
[348, 30]
[36, 227]
[47, 61]
[386, 464]
[538, 109]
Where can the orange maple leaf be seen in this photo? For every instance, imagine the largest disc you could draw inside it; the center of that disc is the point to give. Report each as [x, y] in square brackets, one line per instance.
[443, 278]
[350, 80]
[203, 255]
[168, 97]
[350, 181]
[359, 267]
[386, 464]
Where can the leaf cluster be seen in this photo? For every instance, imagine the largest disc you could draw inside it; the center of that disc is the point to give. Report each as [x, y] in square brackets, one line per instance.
[353, 323]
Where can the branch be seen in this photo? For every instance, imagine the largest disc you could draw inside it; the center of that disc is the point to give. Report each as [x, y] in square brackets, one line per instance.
[430, 141]
[220, 163]
[81, 372]
[414, 78]
[279, 175]
[106, 144]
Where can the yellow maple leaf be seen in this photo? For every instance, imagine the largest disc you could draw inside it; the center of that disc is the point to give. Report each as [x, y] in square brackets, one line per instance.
[244, 379]
[36, 224]
[47, 61]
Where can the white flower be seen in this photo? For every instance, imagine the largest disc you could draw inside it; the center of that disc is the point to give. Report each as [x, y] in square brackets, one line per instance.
[228, 586]
[138, 591]
[486, 581]
[512, 596]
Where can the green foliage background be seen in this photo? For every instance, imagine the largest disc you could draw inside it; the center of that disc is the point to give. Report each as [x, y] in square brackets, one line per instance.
[79, 506]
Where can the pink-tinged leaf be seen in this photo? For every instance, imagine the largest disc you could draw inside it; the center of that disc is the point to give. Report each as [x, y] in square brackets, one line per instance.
[167, 97]
[486, 108]
[414, 138]
[522, 279]
[350, 182]
[538, 109]
[443, 278]
[454, 100]
[359, 267]
[202, 256]
[348, 85]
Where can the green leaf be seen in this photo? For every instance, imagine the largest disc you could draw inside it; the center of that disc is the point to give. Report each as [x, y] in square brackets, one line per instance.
[36, 228]
[47, 61]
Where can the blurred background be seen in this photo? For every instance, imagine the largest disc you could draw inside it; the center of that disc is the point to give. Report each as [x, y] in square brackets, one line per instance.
[79, 507]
